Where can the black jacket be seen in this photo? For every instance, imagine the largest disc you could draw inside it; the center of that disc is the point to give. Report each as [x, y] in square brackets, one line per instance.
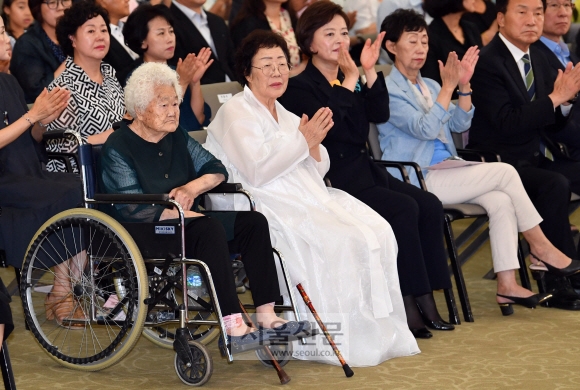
[243, 28]
[33, 63]
[506, 121]
[351, 168]
[190, 40]
[117, 56]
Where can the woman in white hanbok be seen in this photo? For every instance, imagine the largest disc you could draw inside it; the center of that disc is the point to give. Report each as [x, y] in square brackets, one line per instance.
[341, 251]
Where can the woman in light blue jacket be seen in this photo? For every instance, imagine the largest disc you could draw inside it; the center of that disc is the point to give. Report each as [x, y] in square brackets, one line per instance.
[419, 129]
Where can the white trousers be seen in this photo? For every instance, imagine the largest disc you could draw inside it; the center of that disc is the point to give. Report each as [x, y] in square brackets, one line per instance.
[497, 188]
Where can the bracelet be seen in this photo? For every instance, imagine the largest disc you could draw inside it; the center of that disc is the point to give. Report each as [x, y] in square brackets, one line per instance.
[25, 116]
[464, 93]
[41, 125]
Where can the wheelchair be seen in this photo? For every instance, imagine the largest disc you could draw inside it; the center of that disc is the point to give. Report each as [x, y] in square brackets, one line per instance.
[127, 279]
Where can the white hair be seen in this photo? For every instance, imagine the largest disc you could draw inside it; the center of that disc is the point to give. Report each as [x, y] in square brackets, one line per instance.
[139, 91]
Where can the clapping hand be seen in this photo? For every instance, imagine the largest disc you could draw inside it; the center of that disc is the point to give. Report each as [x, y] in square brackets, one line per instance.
[371, 52]
[468, 65]
[348, 67]
[450, 72]
[186, 69]
[202, 63]
[315, 129]
[49, 105]
[566, 86]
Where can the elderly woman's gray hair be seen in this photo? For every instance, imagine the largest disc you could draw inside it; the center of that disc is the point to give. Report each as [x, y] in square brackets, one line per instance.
[140, 88]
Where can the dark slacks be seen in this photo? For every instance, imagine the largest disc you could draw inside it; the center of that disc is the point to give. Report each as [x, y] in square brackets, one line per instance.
[416, 217]
[205, 239]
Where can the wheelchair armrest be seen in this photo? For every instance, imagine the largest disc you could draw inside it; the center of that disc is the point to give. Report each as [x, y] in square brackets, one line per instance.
[59, 134]
[132, 198]
[225, 188]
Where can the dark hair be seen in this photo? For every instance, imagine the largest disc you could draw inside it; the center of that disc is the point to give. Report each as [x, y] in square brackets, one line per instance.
[257, 8]
[501, 5]
[397, 23]
[73, 18]
[316, 16]
[440, 8]
[137, 26]
[258, 39]
[34, 6]
[6, 18]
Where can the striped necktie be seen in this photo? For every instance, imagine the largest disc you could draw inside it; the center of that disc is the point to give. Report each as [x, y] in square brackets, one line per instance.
[529, 76]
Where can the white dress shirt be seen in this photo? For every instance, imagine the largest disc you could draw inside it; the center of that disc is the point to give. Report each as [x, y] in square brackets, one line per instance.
[366, 13]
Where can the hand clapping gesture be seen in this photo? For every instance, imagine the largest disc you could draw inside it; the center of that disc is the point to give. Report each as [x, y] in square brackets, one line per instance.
[315, 129]
[371, 52]
[467, 66]
[49, 105]
[202, 63]
[348, 67]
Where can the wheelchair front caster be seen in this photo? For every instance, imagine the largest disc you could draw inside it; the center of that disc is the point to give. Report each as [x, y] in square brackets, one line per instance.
[195, 367]
[281, 352]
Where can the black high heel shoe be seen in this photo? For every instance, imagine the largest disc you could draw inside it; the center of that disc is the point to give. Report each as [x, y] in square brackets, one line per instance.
[571, 269]
[435, 325]
[529, 302]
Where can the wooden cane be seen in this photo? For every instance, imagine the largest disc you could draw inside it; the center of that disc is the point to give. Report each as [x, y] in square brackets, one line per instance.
[284, 378]
[347, 370]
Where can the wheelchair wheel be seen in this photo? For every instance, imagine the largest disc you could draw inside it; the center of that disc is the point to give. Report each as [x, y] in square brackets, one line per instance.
[281, 352]
[199, 370]
[103, 327]
[163, 335]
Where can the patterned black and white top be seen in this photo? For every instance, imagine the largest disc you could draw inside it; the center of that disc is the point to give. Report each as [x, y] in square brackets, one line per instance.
[92, 108]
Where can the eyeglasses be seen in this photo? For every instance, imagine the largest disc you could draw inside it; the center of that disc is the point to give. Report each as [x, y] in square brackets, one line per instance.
[567, 5]
[53, 4]
[268, 69]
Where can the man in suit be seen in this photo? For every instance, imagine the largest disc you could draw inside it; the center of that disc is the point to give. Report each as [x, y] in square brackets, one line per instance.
[195, 29]
[557, 20]
[517, 99]
[119, 55]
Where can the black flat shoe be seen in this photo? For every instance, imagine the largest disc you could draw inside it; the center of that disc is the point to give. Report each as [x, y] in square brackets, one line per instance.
[422, 333]
[435, 325]
[571, 269]
[530, 302]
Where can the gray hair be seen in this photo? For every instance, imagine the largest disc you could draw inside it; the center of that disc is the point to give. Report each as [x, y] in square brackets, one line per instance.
[139, 91]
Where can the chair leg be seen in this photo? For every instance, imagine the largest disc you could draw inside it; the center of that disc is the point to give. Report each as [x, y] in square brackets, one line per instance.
[452, 306]
[524, 276]
[6, 368]
[456, 267]
[17, 275]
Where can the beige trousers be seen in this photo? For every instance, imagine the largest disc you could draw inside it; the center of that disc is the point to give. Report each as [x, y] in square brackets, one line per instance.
[497, 188]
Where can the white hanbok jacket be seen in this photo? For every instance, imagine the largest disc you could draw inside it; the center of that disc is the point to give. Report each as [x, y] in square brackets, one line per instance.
[342, 252]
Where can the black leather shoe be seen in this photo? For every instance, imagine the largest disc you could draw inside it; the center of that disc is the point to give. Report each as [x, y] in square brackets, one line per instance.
[422, 333]
[571, 269]
[564, 299]
[435, 325]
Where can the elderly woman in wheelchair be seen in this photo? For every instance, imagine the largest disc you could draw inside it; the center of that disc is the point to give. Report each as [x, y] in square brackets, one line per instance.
[154, 155]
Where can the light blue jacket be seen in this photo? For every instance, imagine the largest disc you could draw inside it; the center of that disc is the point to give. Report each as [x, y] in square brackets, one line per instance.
[410, 134]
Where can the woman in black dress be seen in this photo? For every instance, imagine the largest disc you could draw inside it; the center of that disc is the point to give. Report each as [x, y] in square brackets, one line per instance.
[448, 32]
[29, 196]
[484, 16]
[331, 79]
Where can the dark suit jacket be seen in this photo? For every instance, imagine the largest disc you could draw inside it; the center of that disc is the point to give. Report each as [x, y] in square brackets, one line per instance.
[33, 63]
[244, 27]
[506, 121]
[570, 134]
[190, 40]
[117, 56]
[351, 168]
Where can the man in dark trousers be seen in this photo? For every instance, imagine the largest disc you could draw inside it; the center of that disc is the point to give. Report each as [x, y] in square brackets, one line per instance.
[517, 100]
[196, 28]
